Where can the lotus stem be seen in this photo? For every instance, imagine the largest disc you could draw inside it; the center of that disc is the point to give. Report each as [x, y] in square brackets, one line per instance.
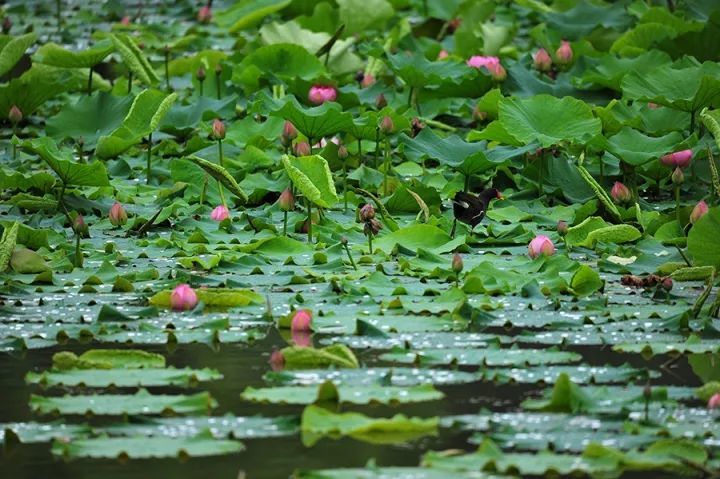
[220, 152]
[218, 84]
[308, 205]
[370, 237]
[167, 69]
[90, 79]
[78, 251]
[349, 255]
[377, 147]
[677, 203]
[203, 191]
[130, 75]
[310, 144]
[13, 143]
[602, 171]
[359, 150]
[387, 166]
[149, 160]
[202, 83]
[345, 190]
[285, 215]
[697, 307]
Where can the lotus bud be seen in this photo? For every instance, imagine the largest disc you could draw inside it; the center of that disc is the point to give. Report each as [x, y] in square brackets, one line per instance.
[564, 54]
[457, 263]
[220, 213]
[678, 159]
[183, 298]
[218, 129]
[218, 69]
[286, 200]
[386, 125]
[698, 212]
[125, 20]
[80, 227]
[443, 54]
[653, 106]
[204, 14]
[319, 94]
[118, 216]
[201, 74]
[620, 193]
[15, 115]
[541, 245]
[301, 320]
[289, 131]
[6, 25]
[677, 176]
[667, 283]
[277, 360]
[367, 80]
[647, 392]
[367, 212]
[302, 339]
[342, 152]
[343, 240]
[714, 401]
[562, 227]
[372, 227]
[302, 148]
[380, 102]
[416, 126]
[542, 61]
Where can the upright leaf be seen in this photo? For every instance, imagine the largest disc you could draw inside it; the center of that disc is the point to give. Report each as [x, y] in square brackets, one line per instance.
[220, 174]
[70, 172]
[134, 58]
[13, 49]
[311, 175]
[7, 245]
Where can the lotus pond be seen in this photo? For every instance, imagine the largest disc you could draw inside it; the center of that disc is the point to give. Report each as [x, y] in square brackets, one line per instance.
[360, 239]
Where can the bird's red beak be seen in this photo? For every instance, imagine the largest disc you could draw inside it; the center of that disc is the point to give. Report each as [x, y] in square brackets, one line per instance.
[499, 196]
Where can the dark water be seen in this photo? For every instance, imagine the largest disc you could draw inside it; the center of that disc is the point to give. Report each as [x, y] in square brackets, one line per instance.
[242, 366]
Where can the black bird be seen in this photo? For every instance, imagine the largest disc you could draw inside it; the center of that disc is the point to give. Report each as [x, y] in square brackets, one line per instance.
[470, 209]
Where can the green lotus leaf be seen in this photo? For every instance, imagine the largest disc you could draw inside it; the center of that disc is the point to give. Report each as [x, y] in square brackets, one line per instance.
[222, 175]
[312, 177]
[134, 58]
[702, 240]
[60, 161]
[13, 48]
[245, 13]
[55, 55]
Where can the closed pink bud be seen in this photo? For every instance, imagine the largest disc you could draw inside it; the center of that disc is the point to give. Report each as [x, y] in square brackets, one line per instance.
[80, 227]
[118, 216]
[15, 115]
[562, 227]
[218, 129]
[342, 152]
[302, 339]
[289, 131]
[541, 245]
[653, 106]
[620, 193]
[714, 401]
[220, 213]
[183, 297]
[201, 73]
[301, 320]
[677, 159]
[277, 360]
[542, 60]
[667, 283]
[564, 54]
[457, 263]
[319, 94]
[286, 200]
[302, 148]
[367, 80]
[125, 20]
[443, 54]
[698, 212]
[386, 125]
[204, 14]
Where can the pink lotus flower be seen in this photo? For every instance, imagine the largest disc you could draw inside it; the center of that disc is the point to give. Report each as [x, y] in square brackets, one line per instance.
[564, 54]
[301, 320]
[204, 14]
[367, 80]
[319, 94]
[620, 193]
[677, 159]
[118, 216]
[183, 297]
[218, 129]
[714, 401]
[541, 245]
[277, 360]
[15, 115]
[220, 213]
[302, 148]
[443, 55]
[542, 60]
[698, 212]
[491, 64]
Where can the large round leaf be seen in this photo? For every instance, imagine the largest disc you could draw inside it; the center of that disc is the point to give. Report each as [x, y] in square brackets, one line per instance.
[311, 175]
[635, 148]
[548, 119]
[55, 55]
[324, 120]
[282, 60]
[702, 240]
